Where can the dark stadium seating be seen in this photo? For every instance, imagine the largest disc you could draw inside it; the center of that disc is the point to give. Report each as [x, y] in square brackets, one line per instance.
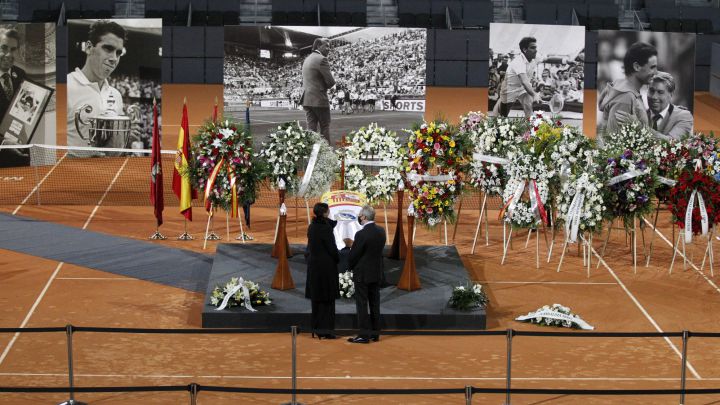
[477, 13]
[541, 12]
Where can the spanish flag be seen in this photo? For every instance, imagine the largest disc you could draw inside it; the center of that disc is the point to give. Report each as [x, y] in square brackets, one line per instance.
[181, 179]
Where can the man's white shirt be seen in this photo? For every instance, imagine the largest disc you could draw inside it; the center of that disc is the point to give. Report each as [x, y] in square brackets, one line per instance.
[80, 92]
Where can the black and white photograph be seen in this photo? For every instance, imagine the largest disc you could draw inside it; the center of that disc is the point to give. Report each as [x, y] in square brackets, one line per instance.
[114, 72]
[331, 79]
[537, 67]
[27, 80]
[647, 77]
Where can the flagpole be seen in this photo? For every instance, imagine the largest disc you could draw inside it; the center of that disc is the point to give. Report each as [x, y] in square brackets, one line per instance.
[157, 235]
[185, 235]
[156, 180]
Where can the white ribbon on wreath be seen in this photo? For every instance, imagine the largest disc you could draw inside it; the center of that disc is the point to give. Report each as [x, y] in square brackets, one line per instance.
[490, 159]
[309, 169]
[556, 315]
[366, 162]
[625, 176]
[666, 181]
[688, 215]
[438, 178]
[572, 224]
[246, 295]
[534, 194]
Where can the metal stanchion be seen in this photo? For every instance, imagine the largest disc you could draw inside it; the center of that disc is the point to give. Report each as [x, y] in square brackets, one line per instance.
[510, 333]
[293, 333]
[685, 337]
[468, 395]
[71, 401]
[193, 393]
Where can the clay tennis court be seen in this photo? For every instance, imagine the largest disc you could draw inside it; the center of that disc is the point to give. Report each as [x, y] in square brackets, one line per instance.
[38, 292]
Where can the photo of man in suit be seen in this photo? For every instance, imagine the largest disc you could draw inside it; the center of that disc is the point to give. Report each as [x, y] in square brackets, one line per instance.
[316, 81]
[366, 261]
[11, 77]
[667, 120]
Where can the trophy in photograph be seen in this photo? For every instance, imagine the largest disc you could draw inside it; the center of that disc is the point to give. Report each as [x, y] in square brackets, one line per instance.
[106, 130]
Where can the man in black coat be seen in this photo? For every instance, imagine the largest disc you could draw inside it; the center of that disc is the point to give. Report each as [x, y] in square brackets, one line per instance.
[366, 261]
[11, 77]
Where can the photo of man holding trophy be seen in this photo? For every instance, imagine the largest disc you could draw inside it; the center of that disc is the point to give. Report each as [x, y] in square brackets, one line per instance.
[97, 115]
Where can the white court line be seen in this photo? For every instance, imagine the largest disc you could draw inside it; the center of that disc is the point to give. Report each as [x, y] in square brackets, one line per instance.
[98, 278]
[546, 282]
[39, 184]
[647, 315]
[712, 283]
[332, 120]
[112, 183]
[349, 377]
[29, 314]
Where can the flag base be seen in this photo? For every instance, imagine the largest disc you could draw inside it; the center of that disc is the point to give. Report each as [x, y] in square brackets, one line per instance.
[185, 236]
[72, 402]
[212, 236]
[244, 236]
[157, 236]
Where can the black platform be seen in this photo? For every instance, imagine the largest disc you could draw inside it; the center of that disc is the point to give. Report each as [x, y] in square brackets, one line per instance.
[439, 267]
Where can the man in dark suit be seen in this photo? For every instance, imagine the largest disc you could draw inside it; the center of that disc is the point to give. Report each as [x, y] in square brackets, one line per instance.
[668, 121]
[317, 80]
[11, 77]
[366, 261]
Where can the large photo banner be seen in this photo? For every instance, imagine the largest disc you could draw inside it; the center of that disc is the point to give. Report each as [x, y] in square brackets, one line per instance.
[648, 77]
[114, 72]
[537, 67]
[358, 75]
[27, 99]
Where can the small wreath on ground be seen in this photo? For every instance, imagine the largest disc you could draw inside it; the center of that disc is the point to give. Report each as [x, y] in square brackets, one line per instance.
[466, 298]
[223, 167]
[288, 145]
[435, 159]
[631, 185]
[701, 192]
[527, 191]
[555, 315]
[373, 146]
[243, 293]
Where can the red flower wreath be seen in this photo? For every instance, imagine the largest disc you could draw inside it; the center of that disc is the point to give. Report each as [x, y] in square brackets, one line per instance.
[680, 196]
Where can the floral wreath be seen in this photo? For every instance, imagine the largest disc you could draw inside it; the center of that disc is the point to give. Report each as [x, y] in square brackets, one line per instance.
[465, 297]
[527, 173]
[543, 134]
[633, 136]
[692, 184]
[631, 185]
[379, 144]
[287, 146]
[223, 168]
[581, 203]
[434, 149]
[670, 158]
[493, 139]
[324, 168]
[257, 297]
[555, 315]
[574, 152]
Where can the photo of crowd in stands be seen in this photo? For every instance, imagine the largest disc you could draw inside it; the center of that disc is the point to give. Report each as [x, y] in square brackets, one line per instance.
[27, 91]
[647, 77]
[370, 74]
[537, 67]
[121, 58]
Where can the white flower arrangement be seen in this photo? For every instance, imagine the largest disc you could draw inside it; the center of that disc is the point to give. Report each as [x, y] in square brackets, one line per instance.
[347, 285]
[257, 297]
[325, 169]
[574, 152]
[288, 145]
[376, 143]
[555, 315]
[526, 171]
[592, 210]
[635, 137]
[465, 297]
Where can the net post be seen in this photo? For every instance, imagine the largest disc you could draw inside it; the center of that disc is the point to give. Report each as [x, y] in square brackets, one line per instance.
[293, 334]
[71, 386]
[468, 394]
[193, 388]
[509, 337]
[683, 377]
